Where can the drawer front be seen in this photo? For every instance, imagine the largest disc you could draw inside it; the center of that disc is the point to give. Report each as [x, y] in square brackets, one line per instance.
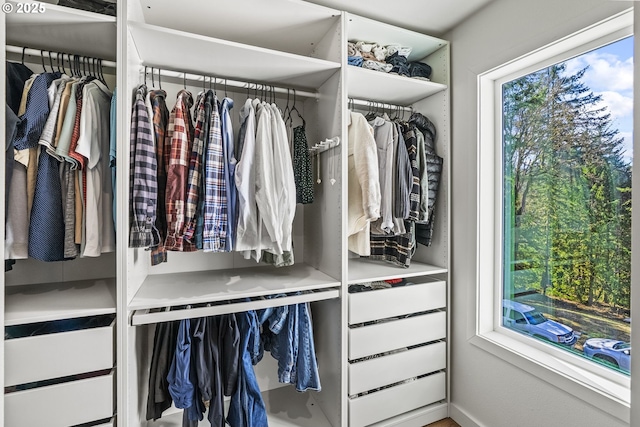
[393, 368]
[384, 303]
[61, 405]
[58, 355]
[393, 401]
[387, 336]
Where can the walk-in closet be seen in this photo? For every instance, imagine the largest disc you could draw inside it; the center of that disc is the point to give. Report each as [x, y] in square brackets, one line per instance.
[91, 333]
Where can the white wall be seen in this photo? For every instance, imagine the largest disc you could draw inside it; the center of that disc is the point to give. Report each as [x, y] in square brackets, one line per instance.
[485, 390]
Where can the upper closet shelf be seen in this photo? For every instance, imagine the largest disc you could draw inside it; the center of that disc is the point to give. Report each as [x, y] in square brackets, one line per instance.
[199, 54]
[365, 29]
[166, 290]
[57, 301]
[390, 88]
[62, 29]
[292, 26]
[365, 270]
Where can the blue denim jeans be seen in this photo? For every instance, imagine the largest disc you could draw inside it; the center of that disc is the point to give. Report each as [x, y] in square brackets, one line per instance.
[247, 408]
[289, 338]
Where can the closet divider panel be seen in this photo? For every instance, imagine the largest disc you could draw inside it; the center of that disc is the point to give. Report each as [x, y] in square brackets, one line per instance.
[3, 125]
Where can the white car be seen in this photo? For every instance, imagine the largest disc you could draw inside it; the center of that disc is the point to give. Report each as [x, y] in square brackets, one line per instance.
[526, 319]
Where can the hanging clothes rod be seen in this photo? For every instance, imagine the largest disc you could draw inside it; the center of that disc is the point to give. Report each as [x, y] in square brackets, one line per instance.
[203, 79]
[376, 104]
[146, 317]
[37, 52]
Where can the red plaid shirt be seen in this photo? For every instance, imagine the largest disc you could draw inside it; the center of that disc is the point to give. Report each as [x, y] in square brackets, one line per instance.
[180, 134]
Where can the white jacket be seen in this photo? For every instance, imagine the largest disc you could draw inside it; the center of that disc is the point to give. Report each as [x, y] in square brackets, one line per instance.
[364, 183]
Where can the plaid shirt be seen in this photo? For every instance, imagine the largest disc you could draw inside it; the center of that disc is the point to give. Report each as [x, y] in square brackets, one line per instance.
[194, 181]
[160, 119]
[143, 190]
[180, 138]
[215, 203]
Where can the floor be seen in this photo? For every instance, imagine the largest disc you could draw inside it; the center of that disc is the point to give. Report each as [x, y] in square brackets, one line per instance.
[448, 422]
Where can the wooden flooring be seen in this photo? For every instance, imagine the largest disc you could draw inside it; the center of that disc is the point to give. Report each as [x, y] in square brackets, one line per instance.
[447, 422]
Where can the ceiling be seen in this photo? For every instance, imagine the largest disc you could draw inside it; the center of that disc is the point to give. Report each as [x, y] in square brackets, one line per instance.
[433, 17]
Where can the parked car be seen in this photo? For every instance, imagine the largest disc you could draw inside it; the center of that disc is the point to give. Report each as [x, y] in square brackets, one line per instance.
[527, 319]
[615, 352]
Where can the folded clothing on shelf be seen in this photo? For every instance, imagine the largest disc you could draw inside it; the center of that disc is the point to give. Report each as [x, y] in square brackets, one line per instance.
[392, 59]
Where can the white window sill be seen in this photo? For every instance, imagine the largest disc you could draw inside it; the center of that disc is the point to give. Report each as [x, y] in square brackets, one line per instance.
[602, 392]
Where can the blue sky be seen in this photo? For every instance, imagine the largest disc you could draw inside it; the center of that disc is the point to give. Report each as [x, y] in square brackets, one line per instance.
[610, 74]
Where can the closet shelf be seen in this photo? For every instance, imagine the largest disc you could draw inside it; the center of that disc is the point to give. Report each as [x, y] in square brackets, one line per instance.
[285, 408]
[201, 287]
[365, 270]
[272, 24]
[146, 317]
[56, 301]
[158, 47]
[390, 88]
[365, 29]
[63, 29]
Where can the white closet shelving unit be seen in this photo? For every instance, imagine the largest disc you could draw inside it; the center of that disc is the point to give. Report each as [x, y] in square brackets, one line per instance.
[285, 43]
[299, 49]
[397, 347]
[37, 292]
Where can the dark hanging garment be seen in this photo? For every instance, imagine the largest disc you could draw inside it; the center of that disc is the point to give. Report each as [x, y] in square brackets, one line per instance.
[302, 169]
[424, 230]
[195, 413]
[164, 347]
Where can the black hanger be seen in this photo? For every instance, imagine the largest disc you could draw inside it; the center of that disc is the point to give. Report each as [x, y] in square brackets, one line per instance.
[225, 88]
[294, 108]
[101, 73]
[42, 58]
[61, 62]
[159, 78]
[184, 80]
[286, 109]
[23, 49]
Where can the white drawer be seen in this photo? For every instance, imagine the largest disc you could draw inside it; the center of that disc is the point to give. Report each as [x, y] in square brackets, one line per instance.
[393, 368]
[58, 355]
[394, 334]
[61, 405]
[384, 303]
[393, 401]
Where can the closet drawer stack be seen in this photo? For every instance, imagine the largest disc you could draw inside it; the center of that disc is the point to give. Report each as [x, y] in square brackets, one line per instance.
[59, 353]
[397, 349]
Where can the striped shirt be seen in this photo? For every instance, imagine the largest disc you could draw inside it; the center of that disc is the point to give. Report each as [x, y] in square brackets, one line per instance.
[143, 190]
[215, 203]
[180, 136]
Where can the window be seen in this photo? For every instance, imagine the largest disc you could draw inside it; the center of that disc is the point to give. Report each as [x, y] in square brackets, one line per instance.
[554, 203]
[566, 185]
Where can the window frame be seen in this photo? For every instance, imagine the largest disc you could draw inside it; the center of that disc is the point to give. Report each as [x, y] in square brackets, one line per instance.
[589, 381]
